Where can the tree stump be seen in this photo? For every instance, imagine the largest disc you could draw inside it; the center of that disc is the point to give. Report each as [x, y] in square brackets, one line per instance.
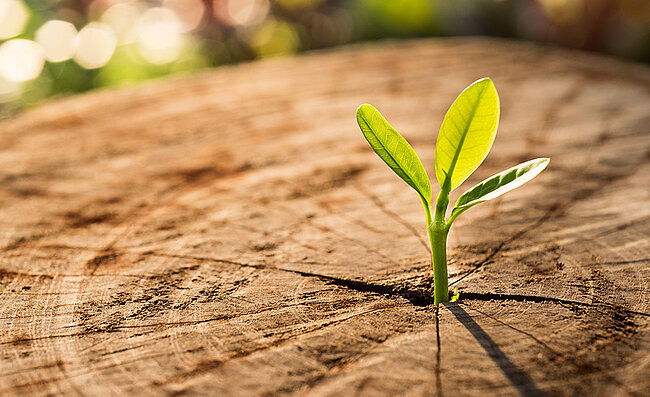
[231, 233]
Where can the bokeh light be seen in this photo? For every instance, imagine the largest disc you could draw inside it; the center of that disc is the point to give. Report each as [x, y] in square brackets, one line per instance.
[128, 41]
[20, 60]
[275, 38]
[57, 39]
[160, 35]
[123, 19]
[13, 18]
[190, 12]
[241, 12]
[95, 45]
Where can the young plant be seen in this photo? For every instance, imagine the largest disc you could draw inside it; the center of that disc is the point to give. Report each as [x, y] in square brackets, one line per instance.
[464, 140]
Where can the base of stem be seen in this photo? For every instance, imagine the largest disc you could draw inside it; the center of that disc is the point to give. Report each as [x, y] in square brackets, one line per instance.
[439, 256]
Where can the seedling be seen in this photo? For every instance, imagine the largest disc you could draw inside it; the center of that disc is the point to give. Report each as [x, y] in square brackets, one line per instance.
[464, 140]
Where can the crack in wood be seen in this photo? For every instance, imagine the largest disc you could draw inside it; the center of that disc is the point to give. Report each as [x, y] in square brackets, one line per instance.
[438, 356]
[417, 297]
[490, 296]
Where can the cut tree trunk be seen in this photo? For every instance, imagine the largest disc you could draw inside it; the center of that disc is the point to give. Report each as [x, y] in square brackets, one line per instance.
[231, 233]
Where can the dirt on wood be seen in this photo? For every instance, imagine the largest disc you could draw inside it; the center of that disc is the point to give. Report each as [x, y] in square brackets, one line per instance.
[231, 233]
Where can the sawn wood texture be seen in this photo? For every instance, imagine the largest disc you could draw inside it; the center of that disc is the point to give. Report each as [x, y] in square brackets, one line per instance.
[231, 233]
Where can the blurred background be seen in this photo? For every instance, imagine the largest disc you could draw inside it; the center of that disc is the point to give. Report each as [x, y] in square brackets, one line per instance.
[50, 48]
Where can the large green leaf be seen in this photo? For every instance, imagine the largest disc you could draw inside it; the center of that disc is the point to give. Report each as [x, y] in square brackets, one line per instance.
[394, 150]
[498, 184]
[467, 133]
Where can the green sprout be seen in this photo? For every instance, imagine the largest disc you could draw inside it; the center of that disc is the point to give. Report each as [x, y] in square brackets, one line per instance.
[464, 140]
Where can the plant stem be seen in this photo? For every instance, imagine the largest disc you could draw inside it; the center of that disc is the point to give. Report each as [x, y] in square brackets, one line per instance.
[438, 231]
[439, 255]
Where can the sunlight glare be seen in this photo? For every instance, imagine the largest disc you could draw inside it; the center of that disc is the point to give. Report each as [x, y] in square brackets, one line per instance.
[123, 19]
[13, 18]
[160, 35]
[20, 60]
[95, 45]
[242, 12]
[57, 39]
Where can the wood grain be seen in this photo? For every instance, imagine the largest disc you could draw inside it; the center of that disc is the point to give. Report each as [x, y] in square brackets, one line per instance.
[231, 233]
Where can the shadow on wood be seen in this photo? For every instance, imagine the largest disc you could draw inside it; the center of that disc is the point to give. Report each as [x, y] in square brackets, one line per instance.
[518, 378]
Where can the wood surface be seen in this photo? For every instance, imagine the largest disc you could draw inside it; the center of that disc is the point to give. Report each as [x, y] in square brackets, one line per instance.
[232, 234]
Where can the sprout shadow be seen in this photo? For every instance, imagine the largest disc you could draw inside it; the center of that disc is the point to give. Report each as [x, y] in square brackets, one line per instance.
[519, 379]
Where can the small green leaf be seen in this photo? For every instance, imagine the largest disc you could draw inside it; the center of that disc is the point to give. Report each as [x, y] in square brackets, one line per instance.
[394, 150]
[456, 295]
[498, 184]
[467, 133]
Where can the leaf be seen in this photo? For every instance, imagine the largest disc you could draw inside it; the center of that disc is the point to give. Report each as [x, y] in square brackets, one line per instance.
[394, 150]
[498, 184]
[467, 133]
[456, 296]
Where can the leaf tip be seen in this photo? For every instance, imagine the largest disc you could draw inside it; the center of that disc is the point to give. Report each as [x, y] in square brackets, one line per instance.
[484, 80]
[486, 83]
[543, 161]
[363, 108]
[364, 113]
[361, 114]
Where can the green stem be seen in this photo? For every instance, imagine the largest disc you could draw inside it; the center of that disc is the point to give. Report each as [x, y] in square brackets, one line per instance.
[439, 255]
[438, 231]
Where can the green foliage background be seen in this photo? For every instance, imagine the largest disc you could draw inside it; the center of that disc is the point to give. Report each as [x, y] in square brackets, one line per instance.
[617, 27]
